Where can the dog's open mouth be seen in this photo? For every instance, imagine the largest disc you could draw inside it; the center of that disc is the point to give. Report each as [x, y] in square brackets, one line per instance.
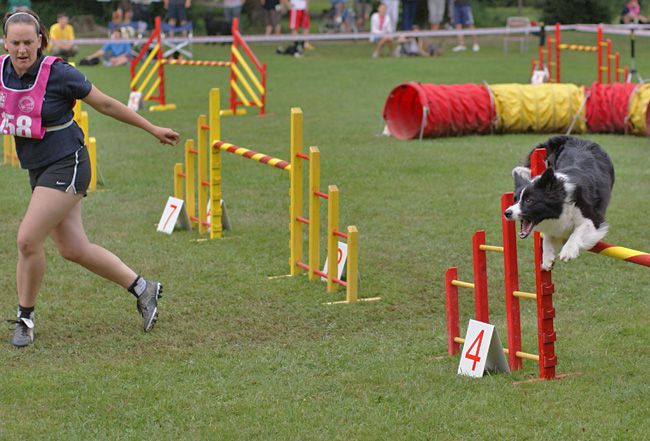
[525, 229]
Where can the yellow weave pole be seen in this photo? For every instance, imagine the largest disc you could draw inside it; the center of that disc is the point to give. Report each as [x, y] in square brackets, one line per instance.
[295, 192]
[92, 154]
[14, 155]
[6, 149]
[352, 290]
[202, 137]
[178, 180]
[76, 111]
[84, 126]
[215, 164]
[314, 212]
[190, 190]
[332, 241]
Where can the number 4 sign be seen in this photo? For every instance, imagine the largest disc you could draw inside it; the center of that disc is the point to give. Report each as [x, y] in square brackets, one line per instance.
[482, 351]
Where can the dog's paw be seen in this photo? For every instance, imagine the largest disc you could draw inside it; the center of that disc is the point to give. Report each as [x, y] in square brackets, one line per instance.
[547, 264]
[569, 252]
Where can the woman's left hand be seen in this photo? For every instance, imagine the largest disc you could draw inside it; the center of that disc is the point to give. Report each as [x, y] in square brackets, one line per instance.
[166, 135]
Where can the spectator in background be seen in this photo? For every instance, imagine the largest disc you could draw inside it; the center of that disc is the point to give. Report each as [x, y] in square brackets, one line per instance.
[232, 9]
[115, 53]
[632, 13]
[19, 5]
[59, 32]
[142, 11]
[381, 29]
[177, 13]
[299, 19]
[392, 9]
[409, 7]
[362, 9]
[463, 17]
[272, 16]
[436, 13]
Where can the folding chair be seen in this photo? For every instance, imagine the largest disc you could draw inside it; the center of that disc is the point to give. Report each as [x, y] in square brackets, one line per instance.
[180, 44]
[522, 38]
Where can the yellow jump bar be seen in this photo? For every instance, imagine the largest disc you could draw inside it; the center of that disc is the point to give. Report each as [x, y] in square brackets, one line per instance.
[462, 284]
[494, 248]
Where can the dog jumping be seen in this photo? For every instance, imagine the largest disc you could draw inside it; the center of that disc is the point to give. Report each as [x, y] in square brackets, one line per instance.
[566, 203]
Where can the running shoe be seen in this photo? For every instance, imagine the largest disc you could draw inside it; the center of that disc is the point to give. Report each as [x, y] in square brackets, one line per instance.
[148, 304]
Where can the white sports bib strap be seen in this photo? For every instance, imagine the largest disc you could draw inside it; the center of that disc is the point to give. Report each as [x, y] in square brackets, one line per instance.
[59, 127]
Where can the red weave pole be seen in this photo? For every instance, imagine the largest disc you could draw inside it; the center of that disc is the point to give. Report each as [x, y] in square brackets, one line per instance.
[233, 64]
[263, 109]
[549, 56]
[599, 43]
[480, 278]
[617, 58]
[144, 50]
[609, 61]
[161, 66]
[544, 287]
[557, 52]
[451, 303]
[240, 42]
[511, 282]
[533, 64]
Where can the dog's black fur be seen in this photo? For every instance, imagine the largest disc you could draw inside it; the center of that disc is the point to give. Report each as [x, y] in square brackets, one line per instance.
[568, 201]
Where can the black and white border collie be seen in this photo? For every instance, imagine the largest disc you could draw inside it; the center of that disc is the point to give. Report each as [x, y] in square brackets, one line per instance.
[567, 203]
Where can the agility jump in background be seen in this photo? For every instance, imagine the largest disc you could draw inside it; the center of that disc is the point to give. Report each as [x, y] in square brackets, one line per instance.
[247, 84]
[206, 157]
[604, 57]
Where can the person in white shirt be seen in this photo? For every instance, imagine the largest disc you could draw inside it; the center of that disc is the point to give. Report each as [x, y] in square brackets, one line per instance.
[381, 29]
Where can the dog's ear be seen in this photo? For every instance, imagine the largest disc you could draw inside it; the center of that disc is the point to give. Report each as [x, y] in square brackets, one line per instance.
[548, 179]
[521, 175]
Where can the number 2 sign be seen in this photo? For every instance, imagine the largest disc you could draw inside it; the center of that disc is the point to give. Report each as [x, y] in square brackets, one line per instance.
[482, 351]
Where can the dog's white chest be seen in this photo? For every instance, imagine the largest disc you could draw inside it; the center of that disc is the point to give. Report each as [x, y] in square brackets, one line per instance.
[564, 225]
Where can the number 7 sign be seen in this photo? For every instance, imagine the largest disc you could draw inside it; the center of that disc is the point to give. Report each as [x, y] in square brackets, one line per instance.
[170, 216]
[482, 351]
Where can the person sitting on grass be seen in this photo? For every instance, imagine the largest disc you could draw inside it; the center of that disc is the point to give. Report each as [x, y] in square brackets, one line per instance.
[381, 28]
[416, 46]
[61, 34]
[115, 53]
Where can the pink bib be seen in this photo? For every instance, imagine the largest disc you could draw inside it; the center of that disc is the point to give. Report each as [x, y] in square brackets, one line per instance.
[21, 109]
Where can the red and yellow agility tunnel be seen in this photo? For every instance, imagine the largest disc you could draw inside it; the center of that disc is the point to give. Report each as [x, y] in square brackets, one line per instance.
[415, 110]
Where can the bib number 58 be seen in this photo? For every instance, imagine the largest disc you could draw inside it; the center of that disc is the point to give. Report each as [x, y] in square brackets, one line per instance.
[22, 127]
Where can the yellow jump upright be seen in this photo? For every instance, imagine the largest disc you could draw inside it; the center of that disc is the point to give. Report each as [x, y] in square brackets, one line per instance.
[209, 188]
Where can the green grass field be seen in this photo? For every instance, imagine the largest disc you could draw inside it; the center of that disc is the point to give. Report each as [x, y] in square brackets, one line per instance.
[236, 356]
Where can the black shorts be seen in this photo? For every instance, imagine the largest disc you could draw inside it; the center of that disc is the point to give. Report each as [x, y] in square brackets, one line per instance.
[71, 172]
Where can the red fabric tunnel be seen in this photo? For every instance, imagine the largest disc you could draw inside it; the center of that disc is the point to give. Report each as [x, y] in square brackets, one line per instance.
[458, 109]
[608, 106]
